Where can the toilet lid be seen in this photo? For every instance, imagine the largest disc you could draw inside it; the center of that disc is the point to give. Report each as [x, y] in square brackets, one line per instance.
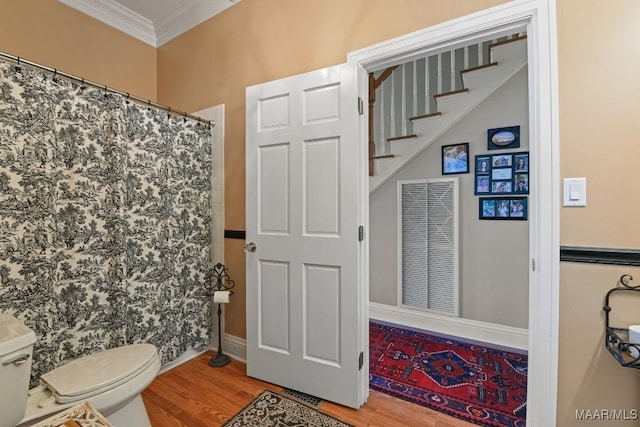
[98, 372]
[14, 335]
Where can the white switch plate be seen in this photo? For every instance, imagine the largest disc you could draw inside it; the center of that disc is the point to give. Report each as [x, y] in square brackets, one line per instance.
[575, 192]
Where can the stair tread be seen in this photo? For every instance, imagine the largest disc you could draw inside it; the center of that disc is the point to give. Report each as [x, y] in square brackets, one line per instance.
[515, 39]
[397, 138]
[453, 92]
[425, 116]
[479, 67]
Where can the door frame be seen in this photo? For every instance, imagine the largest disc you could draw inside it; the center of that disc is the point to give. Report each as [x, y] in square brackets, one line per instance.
[538, 17]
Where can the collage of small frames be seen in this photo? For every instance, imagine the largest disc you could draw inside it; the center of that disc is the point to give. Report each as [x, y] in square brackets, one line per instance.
[502, 179]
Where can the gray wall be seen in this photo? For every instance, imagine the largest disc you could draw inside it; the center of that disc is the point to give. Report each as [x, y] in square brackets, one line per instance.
[494, 255]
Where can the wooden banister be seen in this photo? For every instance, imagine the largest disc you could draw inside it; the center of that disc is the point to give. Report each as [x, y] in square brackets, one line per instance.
[373, 85]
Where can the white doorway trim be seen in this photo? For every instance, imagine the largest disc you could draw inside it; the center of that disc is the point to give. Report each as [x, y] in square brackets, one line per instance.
[539, 20]
[217, 115]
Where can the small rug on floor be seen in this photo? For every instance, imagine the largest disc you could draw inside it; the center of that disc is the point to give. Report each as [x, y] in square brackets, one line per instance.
[473, 382]
[272, 409]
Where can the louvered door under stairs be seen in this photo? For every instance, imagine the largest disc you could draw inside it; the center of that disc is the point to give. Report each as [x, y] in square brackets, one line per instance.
[417, 102]
[428, 241]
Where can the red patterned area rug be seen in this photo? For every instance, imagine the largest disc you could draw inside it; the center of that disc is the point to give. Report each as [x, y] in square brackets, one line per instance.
[476, 383]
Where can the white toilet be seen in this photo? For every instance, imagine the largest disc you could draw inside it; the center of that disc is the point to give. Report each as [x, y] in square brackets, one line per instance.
[111, 380]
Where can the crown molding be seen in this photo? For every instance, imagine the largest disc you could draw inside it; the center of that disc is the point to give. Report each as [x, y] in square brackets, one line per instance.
[192, 14]
[116, 16]
[156, 34]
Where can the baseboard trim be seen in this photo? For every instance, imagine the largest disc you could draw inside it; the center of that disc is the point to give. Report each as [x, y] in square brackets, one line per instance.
[491, 333]
[235, 347]
[185, 357]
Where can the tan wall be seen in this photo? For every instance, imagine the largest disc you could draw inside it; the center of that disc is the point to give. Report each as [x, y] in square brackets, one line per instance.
[51, 34]
[260, 40]
[589, 377]
[599, 64]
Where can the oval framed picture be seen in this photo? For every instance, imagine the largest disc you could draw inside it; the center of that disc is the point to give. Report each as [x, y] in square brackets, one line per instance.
[503, 138]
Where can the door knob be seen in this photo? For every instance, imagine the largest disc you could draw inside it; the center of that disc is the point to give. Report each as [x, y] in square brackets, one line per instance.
[250, 247]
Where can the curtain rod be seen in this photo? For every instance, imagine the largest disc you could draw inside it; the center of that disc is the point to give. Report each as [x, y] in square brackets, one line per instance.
[17, 60]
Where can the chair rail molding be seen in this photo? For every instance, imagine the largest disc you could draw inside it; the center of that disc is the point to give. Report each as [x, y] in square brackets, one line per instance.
[612, 256]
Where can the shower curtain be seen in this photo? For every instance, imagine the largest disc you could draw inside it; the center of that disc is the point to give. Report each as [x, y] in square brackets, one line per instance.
[104, 219]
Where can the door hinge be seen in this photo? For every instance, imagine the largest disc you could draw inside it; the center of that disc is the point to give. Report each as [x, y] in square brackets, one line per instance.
[360, 106]
[533, 264]
[361, 233]
[361, 361]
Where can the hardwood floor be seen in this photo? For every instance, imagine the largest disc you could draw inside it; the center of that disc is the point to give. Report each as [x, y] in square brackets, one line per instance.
[196, 395]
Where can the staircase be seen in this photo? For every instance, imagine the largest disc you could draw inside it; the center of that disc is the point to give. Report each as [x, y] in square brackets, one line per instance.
[410, 113]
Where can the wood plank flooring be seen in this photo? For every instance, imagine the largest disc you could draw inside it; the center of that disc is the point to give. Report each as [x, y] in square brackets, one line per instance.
[196, 395]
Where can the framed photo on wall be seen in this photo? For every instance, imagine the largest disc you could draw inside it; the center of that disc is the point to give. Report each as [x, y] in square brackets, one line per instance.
[455, 158]
[502, 174]
[482, 185]
[483, 165]
[503, 138]
[507, 208]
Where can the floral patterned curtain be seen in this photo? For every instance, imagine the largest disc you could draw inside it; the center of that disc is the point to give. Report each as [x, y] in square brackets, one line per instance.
[104, 219]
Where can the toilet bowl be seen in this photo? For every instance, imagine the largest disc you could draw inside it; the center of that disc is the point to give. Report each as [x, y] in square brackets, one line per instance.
[111, 380]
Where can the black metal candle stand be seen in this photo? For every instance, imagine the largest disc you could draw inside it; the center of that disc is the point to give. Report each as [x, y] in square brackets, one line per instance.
[220, 276]
[617, 339]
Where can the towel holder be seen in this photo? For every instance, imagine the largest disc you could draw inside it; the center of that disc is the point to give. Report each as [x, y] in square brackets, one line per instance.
[616, 338]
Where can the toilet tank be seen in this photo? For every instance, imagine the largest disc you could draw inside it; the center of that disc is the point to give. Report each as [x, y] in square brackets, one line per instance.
[16, 349]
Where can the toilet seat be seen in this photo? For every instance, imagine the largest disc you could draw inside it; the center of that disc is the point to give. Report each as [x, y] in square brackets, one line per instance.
[90, 375]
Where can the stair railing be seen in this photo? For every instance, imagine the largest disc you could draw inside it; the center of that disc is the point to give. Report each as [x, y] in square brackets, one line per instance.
[374, 84]
[408, 90]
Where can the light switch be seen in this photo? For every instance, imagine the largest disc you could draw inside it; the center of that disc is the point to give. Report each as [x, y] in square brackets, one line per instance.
[575, 192]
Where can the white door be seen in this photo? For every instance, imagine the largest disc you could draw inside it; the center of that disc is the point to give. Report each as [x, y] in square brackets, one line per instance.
[304, 304]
